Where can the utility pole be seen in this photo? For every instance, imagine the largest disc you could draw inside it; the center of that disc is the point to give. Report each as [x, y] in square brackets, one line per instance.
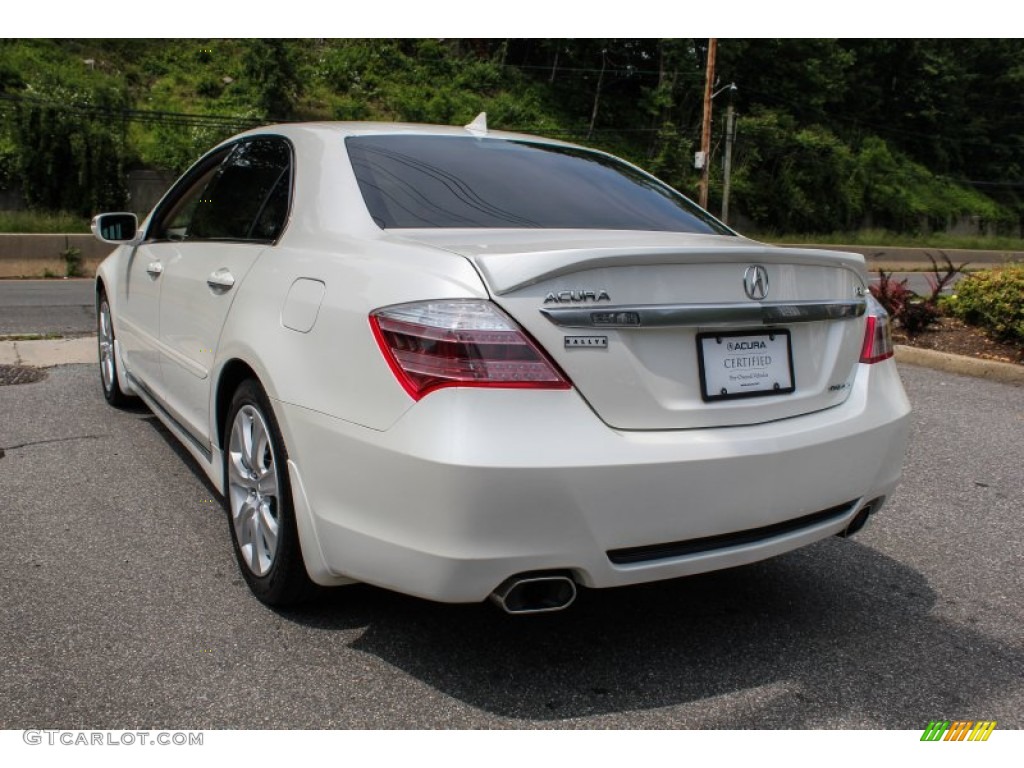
[730, 134]
[597, 95]
[705, 136]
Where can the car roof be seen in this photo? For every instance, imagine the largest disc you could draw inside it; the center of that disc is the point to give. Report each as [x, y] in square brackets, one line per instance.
[344, 129]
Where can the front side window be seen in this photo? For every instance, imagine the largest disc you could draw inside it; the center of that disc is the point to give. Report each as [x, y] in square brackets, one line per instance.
[456, 182]
[243, 198]
[173, 219]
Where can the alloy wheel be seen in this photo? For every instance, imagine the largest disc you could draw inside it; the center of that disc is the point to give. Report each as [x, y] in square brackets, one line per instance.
[253, 489]
[106, 343]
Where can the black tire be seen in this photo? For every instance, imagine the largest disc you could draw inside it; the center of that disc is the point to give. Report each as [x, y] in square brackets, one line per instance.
[109, 377]
[257, 504]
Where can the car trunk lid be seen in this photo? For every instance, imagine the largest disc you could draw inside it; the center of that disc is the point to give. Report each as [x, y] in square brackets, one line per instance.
[674, 331]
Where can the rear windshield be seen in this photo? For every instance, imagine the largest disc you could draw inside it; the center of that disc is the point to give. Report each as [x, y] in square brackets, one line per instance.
[456, 182]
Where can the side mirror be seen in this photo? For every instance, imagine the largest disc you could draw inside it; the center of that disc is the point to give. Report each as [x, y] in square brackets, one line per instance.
[115, 228]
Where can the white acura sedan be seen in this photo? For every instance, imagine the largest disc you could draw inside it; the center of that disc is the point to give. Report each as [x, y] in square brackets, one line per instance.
[459, 363]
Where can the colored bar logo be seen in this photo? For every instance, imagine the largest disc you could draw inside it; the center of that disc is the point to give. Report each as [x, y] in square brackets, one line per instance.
[958, 730]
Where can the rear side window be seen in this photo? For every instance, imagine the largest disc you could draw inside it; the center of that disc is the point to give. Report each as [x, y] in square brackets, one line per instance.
[459, 182]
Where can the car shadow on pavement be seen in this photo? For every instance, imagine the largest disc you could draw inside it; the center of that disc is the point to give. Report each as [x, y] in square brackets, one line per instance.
[835, 634]
[179, 450]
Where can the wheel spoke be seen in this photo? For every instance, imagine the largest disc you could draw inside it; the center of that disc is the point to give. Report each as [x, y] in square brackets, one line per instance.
[257, 447]
[268, 526]
[252, 539]
[239, 473]
[268, 484]
[241, 516]
[245, 428]
[237, 495]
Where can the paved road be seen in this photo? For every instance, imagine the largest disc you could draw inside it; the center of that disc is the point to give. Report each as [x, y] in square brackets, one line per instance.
[123, 606]
[47, 306]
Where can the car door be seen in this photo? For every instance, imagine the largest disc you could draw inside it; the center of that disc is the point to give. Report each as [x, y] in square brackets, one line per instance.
[239, 214]
[139, 315]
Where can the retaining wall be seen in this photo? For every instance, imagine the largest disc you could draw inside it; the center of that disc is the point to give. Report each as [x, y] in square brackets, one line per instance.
[40, 255]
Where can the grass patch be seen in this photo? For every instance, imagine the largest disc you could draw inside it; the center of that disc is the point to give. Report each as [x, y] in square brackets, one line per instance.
[42, 222]
[31, 336]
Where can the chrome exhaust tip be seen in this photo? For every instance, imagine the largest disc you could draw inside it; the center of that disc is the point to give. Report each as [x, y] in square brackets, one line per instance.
[535, 594]
[862, 516]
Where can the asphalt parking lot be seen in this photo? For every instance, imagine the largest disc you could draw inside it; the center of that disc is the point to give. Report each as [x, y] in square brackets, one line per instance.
[123, 607]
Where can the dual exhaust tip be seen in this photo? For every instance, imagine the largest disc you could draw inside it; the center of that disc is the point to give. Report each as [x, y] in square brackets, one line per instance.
[540, 593]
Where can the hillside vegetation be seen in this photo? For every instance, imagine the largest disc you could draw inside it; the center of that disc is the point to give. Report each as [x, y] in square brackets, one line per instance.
[832, 135]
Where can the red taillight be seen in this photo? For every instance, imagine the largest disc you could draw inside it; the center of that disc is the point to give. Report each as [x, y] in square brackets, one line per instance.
[434, 344]
[877, 336]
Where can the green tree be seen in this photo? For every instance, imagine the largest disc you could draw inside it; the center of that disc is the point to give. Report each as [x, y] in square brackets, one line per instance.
[71, 159]
[272, 73]
[796, 179]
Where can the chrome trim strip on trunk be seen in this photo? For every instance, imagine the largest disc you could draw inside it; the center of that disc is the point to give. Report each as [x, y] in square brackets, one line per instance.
[668, 315]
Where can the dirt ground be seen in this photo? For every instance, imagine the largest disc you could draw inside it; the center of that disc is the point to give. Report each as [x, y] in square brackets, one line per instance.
[954, 336]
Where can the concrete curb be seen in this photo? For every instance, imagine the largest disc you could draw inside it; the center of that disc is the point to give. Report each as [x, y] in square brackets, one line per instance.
[45, 353]
[1006, 373]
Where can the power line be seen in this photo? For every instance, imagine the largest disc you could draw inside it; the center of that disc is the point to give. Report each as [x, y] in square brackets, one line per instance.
[11, 101]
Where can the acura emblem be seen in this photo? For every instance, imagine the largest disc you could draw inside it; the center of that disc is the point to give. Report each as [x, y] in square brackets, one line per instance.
[755, 282]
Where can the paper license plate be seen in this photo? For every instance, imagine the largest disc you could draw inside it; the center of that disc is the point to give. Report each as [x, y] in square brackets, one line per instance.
[744, 364]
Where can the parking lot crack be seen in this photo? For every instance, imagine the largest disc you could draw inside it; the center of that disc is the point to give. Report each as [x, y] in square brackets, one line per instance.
[4, 449]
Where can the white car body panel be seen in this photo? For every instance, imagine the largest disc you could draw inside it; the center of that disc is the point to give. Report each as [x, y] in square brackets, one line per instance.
[192, 315]
[449, 496]
[137, 297]
[335, 372]
[437, 507]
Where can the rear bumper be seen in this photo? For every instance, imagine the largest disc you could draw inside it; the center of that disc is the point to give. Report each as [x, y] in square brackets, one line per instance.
[473, 486]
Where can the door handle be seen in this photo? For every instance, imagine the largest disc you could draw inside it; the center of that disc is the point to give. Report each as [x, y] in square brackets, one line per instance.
[221, 280]
[155, 268]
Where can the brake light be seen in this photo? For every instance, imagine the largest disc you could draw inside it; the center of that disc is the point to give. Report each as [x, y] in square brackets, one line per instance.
[877, 335]
[435, 344]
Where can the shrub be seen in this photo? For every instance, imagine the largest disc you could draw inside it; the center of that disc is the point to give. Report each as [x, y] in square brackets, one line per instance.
[905, 307]
[994, 300]
[912, 312]
[73, 261]
[891, 294]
